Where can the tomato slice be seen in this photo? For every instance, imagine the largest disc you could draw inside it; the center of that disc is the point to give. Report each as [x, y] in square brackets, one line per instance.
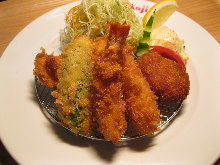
[168, 53]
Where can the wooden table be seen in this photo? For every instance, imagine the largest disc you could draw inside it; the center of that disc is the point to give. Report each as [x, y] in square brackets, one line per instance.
[16, 14]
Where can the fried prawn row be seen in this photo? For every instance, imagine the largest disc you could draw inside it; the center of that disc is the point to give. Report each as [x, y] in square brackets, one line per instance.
[115, 74]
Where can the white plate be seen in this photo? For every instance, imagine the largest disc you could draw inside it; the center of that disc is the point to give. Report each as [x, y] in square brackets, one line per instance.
[193, 138]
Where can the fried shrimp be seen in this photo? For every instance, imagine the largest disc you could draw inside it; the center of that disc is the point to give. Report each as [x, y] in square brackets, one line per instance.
[46, 67]
[140, 101]
[96, 85]
[109, 107]
[167, 79]
[73, 88]
[99, 86]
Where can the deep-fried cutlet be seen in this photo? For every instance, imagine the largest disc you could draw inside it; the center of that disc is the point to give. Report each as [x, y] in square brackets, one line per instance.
[167, 79]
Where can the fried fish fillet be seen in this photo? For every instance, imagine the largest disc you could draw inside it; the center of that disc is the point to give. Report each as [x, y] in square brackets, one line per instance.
[108, 105]
[73, 88]
[140, 101]
[46, 67]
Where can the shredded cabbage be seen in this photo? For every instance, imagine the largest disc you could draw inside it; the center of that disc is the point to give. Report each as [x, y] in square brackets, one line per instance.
[91, 17]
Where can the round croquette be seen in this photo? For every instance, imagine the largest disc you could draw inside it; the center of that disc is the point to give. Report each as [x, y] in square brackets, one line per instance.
[168, 79]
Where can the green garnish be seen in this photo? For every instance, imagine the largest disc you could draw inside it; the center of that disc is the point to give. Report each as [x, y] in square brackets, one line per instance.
[141, 52]
[75, 116]
[143, 45]
[146, 34]
[150, 21]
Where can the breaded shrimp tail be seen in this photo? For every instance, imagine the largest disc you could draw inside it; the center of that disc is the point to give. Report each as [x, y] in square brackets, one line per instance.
[46, 67]
[141, 102]
[108, 105]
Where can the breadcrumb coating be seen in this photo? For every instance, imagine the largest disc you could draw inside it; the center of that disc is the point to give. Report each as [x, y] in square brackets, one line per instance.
[98, 85]
[108, 105]
[46, 67]
[73, 88]
[167, 79]
[140, 101]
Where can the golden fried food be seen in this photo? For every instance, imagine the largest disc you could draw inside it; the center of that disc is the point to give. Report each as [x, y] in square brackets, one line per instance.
[46, 67]
[108, 105]
[168, 80]
[98, 85]
[140, 100]
[73, 88]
